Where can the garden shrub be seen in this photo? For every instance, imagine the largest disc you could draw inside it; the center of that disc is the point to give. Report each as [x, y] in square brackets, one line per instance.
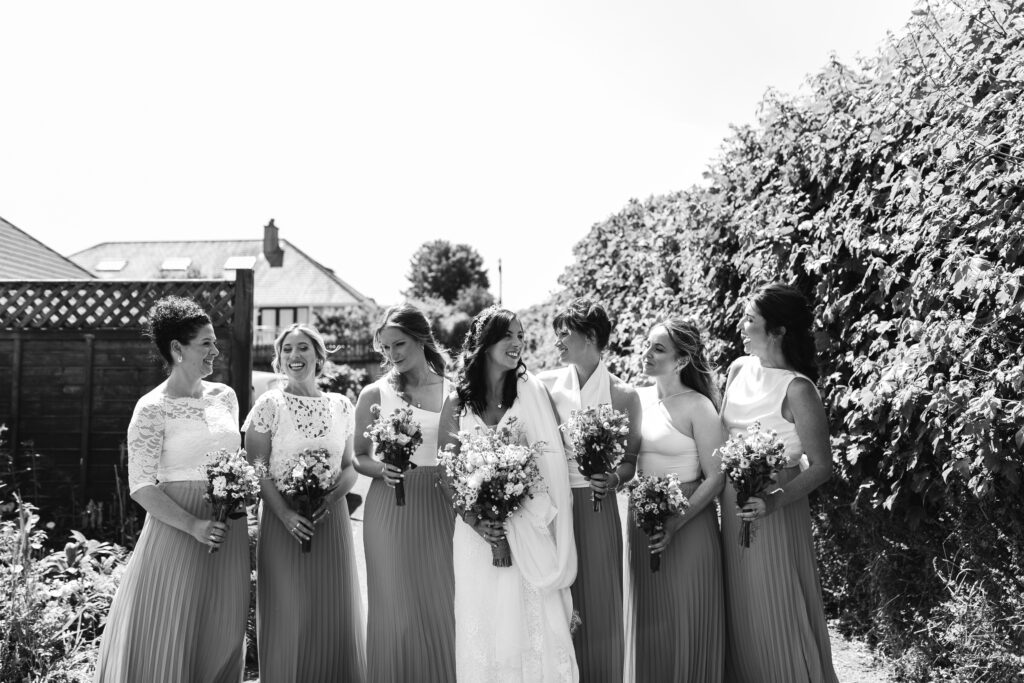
[892, 194]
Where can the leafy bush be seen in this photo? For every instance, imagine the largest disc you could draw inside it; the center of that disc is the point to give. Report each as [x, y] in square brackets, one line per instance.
[893, 196]
[343, 379]
[51, 605]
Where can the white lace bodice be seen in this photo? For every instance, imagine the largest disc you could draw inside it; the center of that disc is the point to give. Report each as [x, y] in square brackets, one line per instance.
[169, 438]
[299, 422]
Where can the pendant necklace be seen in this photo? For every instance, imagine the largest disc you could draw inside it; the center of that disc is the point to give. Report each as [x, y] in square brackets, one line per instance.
[678, 393]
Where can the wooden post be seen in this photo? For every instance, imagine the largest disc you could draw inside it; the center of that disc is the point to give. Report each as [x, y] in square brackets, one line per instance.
[86, 424]
[15, 399]
[241, 341]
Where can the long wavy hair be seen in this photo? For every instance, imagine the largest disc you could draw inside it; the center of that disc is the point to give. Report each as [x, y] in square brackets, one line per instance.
[487, 329]
[785, 308]
[409, 320]
[698, 373]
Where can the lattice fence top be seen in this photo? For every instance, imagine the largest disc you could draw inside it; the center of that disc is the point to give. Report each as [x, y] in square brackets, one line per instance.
[103, 304]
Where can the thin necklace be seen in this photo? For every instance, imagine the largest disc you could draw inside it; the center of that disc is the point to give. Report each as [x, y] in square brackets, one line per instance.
[678, 393]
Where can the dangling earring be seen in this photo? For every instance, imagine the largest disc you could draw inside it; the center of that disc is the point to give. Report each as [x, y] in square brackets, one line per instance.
[178, 359]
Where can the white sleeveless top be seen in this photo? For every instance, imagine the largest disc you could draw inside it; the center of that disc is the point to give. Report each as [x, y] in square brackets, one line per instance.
[567, 395]
[756, 394]
[664, 449]
[296, 423]
[426, 453]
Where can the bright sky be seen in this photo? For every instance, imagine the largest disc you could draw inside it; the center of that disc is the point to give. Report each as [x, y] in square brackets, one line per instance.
[365, 129]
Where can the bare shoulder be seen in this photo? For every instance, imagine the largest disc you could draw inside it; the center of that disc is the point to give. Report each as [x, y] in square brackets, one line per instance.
[802, 392]
[623, 392]
[370, 394]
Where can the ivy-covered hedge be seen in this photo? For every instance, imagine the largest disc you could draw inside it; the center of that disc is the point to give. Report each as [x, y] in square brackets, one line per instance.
[893, 195]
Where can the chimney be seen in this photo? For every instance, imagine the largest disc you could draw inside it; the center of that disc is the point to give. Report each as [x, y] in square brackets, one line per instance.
[271, 247]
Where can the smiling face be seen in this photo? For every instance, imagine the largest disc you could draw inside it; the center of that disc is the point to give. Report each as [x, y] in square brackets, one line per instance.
[571, 345]
[660, 357]
[198, 353]
[753, 332]
[506, 351]
[298, 357]
[401, 350]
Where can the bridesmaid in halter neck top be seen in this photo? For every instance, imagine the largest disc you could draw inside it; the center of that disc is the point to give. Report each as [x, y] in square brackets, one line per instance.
[409, 575]
[582, 329]
[776, 621]
[675, 622]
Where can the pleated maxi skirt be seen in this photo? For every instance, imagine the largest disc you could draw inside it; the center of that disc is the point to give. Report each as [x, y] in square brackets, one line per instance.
[777, 631]
[309, 612]
[675, 617]
[410, 582]
[179, 614]
[597, 591]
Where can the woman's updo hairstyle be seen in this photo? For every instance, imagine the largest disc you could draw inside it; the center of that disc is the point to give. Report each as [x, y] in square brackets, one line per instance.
[410, 321]
[587, 318]
[315, 338]
[784, 307]
[698, 373]
[487, 329]
[174, 318]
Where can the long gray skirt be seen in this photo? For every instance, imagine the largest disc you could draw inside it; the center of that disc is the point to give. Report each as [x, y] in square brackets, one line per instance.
[776, 619]
[309, 613]
[410, 582]
[675, 618]
[179, 613]
[597, 591]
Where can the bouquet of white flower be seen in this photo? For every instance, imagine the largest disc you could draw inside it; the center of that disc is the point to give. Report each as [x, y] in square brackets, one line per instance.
[598, 438]
[492, 472]
[231, 482]
[308, 477]
[653, 500]
[751, 463]
[396, 438]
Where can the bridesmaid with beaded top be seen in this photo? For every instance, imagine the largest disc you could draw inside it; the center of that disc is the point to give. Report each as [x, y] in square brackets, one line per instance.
[582, 330]
[776, 620]
[409, 575]
[179, 614]
[309, 612]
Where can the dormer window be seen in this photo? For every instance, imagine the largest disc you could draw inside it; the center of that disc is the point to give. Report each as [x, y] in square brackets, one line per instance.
[176, 263]
[111, 265]
[240, 263]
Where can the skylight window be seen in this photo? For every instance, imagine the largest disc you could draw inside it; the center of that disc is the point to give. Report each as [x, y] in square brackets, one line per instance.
[240, 263]
[111, 265]
[176, 263]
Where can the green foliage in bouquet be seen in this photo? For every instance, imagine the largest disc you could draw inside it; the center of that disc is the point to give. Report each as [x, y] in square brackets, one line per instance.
[893, 195]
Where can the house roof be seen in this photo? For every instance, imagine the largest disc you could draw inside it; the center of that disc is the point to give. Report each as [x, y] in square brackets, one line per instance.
[300, 281]
[23, 257]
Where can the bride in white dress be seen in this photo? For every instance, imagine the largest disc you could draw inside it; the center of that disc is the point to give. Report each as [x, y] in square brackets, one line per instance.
[512, 623]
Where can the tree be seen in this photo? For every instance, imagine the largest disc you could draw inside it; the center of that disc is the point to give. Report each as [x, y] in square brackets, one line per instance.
[441, 269]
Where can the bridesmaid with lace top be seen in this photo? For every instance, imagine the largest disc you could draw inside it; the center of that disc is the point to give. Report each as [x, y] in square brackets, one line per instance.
[179, 614]
[675, 628]
[309, 614]
[582, 329]
[777, 631]
[409, 579]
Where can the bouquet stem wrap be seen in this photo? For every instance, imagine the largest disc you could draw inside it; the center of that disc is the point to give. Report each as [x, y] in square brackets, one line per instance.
[220, 514]
[656, 557]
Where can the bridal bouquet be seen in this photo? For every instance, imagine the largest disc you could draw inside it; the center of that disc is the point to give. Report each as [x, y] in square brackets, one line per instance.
[395, 438]
[308, 477]
[653, 500]
[492, 473]
[231, 482]
[751, 463]
[598, 437]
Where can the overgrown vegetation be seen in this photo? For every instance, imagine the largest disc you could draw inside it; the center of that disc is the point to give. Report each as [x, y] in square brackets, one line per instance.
[893, 195]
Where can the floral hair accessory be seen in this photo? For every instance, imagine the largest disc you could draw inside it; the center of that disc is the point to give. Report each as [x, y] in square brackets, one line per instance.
[480, 321]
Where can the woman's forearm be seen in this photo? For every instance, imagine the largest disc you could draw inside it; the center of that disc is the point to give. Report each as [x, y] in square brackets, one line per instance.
[161, 507]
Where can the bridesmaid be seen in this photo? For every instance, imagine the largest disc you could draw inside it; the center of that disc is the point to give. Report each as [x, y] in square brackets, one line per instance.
[777, 630]
[309, 616]
[582, 330]
[675, 626]
[179, 614]
[409, 576]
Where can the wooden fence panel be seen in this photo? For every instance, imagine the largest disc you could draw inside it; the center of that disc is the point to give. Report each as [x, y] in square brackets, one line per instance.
[73, 363]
